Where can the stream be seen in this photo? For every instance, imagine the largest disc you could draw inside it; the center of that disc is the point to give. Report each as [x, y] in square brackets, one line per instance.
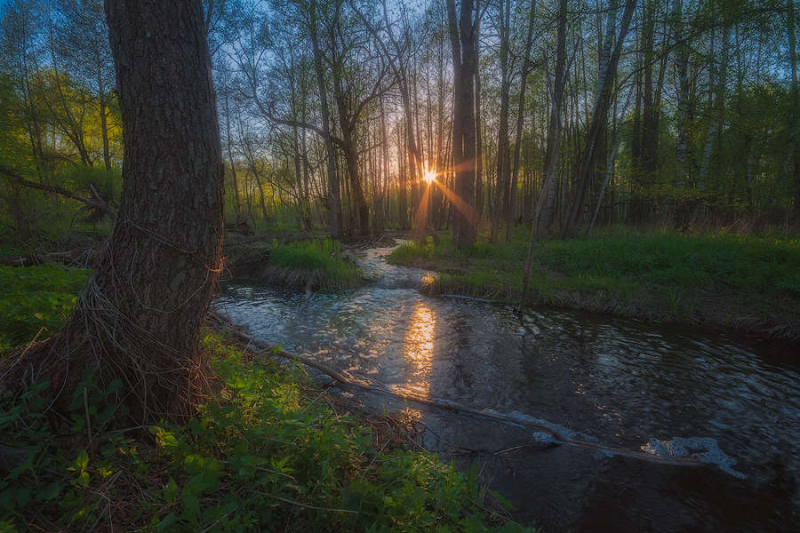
[668, 390]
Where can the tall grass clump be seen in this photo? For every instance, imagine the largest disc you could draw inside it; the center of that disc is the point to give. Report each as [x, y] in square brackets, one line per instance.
[321, 260]
[410, 251]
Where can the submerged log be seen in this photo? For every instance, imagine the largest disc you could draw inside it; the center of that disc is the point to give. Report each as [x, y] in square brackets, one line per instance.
[546, 433]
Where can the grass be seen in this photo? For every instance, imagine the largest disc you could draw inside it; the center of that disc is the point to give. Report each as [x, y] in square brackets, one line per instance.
[318, 261]
[674, 275]
[35, 298]
[266, 453]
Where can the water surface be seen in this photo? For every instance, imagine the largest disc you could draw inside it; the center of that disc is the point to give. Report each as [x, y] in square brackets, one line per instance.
[731, 402]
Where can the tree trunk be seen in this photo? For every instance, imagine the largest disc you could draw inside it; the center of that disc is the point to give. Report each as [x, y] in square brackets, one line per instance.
[104, 132]
[602, 101]
[794, 135]
[334, 203]
[526, 66]
[545, 206]
[138, 321]
[479, 188]
[229, 146]
[682, 64]
[502, 199]
[463, 39]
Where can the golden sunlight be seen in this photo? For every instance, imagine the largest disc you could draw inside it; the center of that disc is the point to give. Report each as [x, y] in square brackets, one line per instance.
[429, 176]
[419, 347]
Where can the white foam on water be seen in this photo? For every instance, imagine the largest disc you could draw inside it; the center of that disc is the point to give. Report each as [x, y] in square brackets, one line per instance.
[704, 449]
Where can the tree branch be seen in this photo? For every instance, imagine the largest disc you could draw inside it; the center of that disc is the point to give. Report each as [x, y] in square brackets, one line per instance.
[96, 201]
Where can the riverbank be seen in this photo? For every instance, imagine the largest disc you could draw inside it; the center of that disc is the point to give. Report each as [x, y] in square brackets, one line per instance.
[751, 284]
[311, 264]
[268, 451]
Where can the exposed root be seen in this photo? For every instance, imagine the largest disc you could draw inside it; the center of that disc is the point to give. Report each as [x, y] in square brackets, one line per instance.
[158, 381]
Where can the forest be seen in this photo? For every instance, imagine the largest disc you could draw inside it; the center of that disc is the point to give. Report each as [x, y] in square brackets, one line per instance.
[576, 114]
[216, 216]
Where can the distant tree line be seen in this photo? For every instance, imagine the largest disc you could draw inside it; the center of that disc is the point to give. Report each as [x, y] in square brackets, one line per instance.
[558, 114]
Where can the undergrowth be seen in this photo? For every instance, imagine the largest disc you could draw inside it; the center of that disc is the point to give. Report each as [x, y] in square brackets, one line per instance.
[264, 455]
[36, 297]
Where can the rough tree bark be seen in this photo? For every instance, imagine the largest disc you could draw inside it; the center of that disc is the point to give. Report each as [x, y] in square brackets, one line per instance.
[463, 39]
[139, 319]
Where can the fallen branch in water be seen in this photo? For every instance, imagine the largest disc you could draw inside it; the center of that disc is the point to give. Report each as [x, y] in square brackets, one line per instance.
[347, 379]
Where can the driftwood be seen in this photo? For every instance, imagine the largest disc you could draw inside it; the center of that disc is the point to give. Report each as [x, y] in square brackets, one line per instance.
[551, 435]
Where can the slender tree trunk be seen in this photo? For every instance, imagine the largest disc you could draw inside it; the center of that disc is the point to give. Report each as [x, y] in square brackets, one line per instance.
[682, 64]
[104, 127]
[604, 92]
[502, 195]
[334, 202]
[480, 202]
[794, 127]
[545, 208]
[463, 40]
[526, 66]
[229, 146]
[381, 191]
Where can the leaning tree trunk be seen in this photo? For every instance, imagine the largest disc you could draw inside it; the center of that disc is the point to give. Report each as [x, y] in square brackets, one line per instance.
[138, 321]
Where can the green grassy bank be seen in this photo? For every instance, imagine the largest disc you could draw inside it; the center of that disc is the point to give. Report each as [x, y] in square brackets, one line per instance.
[318, 263]
[267, 452]
[722, 280]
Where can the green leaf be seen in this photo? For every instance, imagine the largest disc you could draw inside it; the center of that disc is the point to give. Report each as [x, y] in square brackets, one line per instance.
[82, 461]
[171, 491]
[50, 491]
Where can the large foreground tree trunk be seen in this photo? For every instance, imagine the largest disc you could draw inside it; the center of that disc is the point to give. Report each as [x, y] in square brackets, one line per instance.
[138, 320]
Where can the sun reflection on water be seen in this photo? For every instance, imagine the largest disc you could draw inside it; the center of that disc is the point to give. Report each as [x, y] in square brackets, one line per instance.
[418, 347]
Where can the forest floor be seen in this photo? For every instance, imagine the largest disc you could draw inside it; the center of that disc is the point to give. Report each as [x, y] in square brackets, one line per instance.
[269, 451]
[744, 282]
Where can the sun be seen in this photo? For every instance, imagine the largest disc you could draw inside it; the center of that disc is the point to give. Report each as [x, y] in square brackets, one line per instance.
[429, 176]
